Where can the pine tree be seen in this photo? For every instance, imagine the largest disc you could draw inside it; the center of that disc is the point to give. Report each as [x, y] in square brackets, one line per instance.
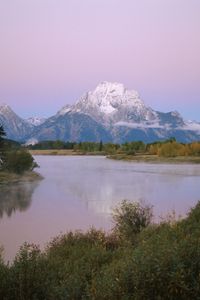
[101, 146]
[2, 133]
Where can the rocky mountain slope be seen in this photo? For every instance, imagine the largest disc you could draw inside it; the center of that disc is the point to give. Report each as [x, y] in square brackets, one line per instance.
[36, 121]
[71, 127]
[16, 128]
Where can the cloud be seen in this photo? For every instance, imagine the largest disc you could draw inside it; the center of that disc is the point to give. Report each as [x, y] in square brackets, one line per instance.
[141, 125]
[193, 126]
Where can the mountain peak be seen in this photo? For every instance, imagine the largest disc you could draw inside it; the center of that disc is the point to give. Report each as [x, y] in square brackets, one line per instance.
[16, 128]
[115, 89]
[112, 102]
[110, 88]
[4, 108]
[175, 113]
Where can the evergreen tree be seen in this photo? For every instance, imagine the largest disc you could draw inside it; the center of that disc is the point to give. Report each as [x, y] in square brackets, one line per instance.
[101, 146]
[2, 135]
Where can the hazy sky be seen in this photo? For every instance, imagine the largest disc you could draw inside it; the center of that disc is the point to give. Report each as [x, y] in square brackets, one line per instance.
[52, 51]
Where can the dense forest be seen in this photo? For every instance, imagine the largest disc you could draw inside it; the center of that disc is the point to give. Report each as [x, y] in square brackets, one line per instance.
[167, 148]
[136, 260]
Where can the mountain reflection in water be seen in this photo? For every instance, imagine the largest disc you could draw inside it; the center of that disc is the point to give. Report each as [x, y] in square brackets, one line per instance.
[16, 197]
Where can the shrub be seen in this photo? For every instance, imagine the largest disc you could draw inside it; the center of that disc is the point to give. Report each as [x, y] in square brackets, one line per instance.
[27, 277]
[164, 264]
[18, 161]
[4, 277]
[130, 218]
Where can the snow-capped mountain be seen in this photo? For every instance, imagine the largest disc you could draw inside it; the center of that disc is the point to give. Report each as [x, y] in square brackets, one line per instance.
[110, 103]
[16, 128]
[36, 121]
[109, 113]
[113, 113]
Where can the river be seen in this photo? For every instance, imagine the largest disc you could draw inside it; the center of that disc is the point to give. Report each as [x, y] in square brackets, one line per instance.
[79, 192]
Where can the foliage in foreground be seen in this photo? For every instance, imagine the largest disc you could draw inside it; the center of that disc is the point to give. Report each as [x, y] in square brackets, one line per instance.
[130, 219]
[163, 264]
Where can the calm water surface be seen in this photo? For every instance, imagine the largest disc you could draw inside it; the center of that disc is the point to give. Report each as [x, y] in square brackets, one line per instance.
[78, 192]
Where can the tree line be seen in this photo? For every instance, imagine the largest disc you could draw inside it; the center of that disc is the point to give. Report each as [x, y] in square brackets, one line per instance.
[173, 149]
[167, 148]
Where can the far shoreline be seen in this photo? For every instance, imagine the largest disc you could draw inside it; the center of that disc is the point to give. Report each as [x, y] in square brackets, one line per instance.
[147, 158]
[155, 159]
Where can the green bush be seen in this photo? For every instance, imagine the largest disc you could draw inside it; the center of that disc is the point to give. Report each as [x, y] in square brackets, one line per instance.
[4, 277]
[18, 161]
[130, 218]
[163, 264]
[27, 277]
[74, 260]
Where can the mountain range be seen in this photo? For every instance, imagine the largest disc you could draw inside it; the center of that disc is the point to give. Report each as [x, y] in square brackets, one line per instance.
[110, 113]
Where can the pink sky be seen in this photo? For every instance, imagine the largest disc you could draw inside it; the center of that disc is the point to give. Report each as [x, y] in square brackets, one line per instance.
[52, 51]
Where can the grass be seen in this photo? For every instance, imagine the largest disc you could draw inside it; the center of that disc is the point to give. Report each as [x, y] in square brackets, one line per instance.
[52, 152]
[63, 152]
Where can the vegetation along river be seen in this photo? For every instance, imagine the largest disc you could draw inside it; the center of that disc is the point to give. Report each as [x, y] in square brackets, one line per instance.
[78, 192]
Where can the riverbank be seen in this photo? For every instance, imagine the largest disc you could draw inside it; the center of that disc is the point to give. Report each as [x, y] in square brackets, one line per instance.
[155, 158]
[120, 156]
[29, 176]
[63, 152]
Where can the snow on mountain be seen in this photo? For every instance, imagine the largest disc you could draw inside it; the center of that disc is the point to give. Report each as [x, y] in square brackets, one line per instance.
[64, 110]
[36, 121]
[3, 108]
[112, 105]
[112, 102]
[192, 125]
